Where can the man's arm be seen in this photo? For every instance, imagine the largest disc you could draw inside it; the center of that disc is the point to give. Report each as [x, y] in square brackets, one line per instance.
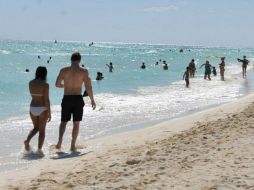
[59, 80]
[184, 75]
[89, 89]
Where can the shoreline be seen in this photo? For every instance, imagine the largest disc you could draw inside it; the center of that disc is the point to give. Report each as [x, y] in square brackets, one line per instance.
[122, 143]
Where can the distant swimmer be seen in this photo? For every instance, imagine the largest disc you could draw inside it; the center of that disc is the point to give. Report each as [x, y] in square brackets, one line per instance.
[192, 68]
[165, 66]
[181, 50]
[214, 72]
[47, 61]
[186, 77]
[82, 65]
[99, 76]
[143, 66]
[245, 63]
[91, 44]
[160, 60]
[55, 41]
[222, 68]
[50, 58]
[110, 66]
[27, 70]
[207, 70]
[40, 112]
[157, 63]
[39, 57]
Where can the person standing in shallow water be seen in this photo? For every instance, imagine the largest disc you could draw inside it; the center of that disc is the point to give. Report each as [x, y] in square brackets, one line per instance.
[208, 70]
[222, 68]
[192, 68]
[39, 108]
[245, 63]
[186, 77]
[110, 67]
[72, 79]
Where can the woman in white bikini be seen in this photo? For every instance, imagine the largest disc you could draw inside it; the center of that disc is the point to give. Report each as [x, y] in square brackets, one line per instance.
[39, 108]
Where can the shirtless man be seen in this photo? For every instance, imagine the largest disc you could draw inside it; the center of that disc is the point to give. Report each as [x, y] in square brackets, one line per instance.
[71, 79]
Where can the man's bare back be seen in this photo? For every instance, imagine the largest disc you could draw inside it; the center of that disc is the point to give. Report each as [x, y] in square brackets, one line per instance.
[73, 78]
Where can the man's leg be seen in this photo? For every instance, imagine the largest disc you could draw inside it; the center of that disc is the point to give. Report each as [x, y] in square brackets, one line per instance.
[62, 128]
[75, 133]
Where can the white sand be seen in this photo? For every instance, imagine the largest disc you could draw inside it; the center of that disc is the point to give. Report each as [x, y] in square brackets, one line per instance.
[212, 149]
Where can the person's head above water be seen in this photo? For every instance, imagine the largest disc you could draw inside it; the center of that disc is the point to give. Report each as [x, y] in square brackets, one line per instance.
[41, 73]
[76, 57]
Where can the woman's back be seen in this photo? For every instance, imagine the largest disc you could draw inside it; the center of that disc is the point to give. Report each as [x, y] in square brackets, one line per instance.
[37, 91]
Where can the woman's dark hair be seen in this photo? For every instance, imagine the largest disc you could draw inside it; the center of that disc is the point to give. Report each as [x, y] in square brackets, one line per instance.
[41, 73]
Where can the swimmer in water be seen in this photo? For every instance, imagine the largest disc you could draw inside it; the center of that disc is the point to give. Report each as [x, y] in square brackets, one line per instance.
[186, 77]
[192, 68]
[245, 63]
[143, 66]
[207, 70]
[110, 66]
[222, 68]
[99, 76]
[39, 57]
[165, 66]
[157, 63]
[91, 44]
[39, 108]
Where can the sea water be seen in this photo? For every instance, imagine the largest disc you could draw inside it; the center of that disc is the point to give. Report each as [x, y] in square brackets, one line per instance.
[127, 99]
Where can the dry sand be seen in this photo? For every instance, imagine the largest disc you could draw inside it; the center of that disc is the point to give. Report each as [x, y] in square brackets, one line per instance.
[212, 149]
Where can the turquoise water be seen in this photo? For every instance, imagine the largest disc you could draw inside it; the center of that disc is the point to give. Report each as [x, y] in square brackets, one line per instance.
[127, 97]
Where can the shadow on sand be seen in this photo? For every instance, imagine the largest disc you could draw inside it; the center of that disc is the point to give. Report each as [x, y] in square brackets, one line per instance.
[32, 156]
[66, 155]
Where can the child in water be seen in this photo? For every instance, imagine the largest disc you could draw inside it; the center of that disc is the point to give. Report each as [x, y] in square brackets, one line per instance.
[186, 77]
[214, 71]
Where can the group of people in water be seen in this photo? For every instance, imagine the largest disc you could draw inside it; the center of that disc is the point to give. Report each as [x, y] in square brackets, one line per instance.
[209, 69]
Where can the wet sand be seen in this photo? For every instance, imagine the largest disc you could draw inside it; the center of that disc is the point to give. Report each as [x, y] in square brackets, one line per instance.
[212, 149]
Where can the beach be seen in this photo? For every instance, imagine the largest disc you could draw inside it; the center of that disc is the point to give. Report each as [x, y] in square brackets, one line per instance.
[127, 99]
[211, 149]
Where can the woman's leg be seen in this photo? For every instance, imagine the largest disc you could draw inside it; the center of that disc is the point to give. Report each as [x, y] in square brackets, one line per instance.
[35, 120]
[42, 125]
